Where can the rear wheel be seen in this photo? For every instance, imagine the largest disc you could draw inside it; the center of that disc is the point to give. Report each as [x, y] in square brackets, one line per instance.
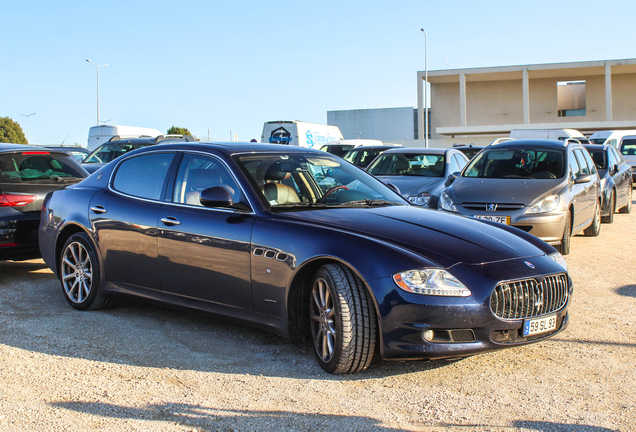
[628, 206]
[80, 274]
[342, 320]
[612, 204]
[564, 247]
[595, 229]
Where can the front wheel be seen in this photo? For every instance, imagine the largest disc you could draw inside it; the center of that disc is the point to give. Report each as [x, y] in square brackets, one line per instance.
[612, 205]
[628, 206]
[342, 320]
[595, 229]
[80, 274]
[564, 247]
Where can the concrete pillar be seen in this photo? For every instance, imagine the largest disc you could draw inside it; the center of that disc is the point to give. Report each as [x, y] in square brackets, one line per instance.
[526, 98]
[420, 106]
[462, 99]
[608, 91]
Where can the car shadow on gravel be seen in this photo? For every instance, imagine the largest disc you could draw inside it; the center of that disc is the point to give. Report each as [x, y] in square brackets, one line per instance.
[627, 291]
[542, 426]
[207, 418]
[35, 317]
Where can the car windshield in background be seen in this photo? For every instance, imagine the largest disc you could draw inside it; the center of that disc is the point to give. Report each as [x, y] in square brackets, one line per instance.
[408, 164]
[109, 152]
[36, 166]
[598, 156]
[516, 163]
[628, 148]
[597, 140]
[292, 181]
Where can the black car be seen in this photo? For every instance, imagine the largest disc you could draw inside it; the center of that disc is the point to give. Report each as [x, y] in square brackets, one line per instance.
[27, 174]
[421, 174]
[247, 231]
[78, 153]
[468, 149]
[118, 146]
[616, 180]
[363, 156]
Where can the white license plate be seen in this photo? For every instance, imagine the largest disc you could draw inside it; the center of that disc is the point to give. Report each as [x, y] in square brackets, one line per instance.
[539, 325]
[498, 219]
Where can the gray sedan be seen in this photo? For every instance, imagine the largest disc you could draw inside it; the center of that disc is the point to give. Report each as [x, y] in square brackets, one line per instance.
[548, 188]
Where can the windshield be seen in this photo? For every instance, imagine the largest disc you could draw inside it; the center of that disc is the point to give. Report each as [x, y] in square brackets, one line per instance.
[628, 148]
[516, 163]
[292, 181]
[108, 152]
[425, 165]
[597, 140]
[37, 166]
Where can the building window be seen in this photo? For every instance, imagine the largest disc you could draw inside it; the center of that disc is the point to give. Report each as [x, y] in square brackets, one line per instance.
[571, 98]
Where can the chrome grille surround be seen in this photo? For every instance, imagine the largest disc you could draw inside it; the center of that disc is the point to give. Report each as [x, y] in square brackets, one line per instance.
[528, 298]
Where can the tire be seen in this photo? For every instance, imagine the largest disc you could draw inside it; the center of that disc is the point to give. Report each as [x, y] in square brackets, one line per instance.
[628, 206]
[80, 274]
[595, 229]
[564, 247]
[342, 319]
[612, 207]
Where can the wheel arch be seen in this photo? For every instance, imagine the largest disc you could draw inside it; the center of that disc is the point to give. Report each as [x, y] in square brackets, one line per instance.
[64, 235]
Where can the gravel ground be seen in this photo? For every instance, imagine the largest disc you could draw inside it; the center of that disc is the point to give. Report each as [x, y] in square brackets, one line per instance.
[140, 367]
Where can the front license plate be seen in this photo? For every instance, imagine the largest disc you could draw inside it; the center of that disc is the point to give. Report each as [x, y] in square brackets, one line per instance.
[539, 325]
[498, 219]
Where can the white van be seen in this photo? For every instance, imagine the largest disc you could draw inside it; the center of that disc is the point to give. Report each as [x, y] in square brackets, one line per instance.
[610, 137]
[299, 133]
[98, 135]
[553, 134]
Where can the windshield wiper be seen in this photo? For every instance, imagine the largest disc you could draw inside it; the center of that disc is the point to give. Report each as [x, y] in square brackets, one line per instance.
[518, 176]
[300, 204]
[368, 203]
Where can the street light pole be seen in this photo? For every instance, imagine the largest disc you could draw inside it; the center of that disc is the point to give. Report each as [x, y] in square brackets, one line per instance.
[97, 86]
[27, 116]
[425, 90]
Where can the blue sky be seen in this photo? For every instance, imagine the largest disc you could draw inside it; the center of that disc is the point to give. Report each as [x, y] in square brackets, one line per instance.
[230, 66]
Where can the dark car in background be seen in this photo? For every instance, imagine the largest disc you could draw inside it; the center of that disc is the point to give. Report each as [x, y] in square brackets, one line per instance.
[421, 174]
[548, 188]
[363, 156]
[78, 153]
[246, 231]
[27, 174]
[118, 146]
[616, 180]
[468, 149]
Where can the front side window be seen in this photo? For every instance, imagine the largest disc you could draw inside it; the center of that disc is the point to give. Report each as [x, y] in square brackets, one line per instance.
[516, 163]
[143, 176]
[197, 173]
[409, 165]
[575, 170]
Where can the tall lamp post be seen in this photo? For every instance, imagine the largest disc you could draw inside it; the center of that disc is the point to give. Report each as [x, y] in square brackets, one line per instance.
[97, 85]
[425, 91]
[27, 116]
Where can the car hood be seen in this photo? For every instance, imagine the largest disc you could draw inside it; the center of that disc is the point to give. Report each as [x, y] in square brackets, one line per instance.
[438, 236]
[518, 191]
[412, 185]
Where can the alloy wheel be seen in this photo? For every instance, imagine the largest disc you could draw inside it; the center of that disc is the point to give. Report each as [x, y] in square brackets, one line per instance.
[322, 315]
[77, 272]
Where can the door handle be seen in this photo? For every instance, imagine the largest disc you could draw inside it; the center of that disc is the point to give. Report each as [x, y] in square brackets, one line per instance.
[98, 209]
[170, 221]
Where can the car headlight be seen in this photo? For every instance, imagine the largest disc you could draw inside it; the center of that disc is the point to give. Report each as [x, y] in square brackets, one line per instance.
[435, 282]
[545, 205]
[446, 203]
[556, 256]
[421, 199]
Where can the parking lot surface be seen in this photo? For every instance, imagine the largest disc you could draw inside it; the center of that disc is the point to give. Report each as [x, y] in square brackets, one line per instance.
[140, 367]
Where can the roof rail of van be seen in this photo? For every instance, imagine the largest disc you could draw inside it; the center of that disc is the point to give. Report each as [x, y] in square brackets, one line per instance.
[121, 137]
[186, 138]
[570, 141]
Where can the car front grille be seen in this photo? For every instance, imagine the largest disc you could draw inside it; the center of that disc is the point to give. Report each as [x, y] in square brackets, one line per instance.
[529, 298]
[497, 206]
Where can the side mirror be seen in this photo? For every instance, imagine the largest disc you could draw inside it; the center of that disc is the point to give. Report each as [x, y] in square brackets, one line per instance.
[216, 196]
[583, 178]
[451, 178]
[394, 188]
[615, 169]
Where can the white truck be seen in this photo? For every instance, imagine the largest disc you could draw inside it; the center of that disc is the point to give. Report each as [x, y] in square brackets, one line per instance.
[299, 133]
[98, 135]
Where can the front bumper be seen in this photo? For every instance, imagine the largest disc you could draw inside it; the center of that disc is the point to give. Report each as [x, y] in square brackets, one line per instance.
[462, 326]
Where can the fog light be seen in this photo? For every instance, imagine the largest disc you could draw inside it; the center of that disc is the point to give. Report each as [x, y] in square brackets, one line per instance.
[429, 335]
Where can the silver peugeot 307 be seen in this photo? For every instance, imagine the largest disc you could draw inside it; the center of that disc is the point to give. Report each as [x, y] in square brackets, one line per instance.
[548, 188]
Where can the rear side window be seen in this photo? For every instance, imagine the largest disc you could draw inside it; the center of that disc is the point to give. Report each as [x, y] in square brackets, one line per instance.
[582, 163]
[143, 176]
[37, 167]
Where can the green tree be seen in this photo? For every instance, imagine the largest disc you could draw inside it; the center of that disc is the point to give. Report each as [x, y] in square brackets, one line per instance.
[11, 132]
[174, 130]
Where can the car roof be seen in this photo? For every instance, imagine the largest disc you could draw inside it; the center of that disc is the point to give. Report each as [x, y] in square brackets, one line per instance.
[532, 143]
[596, 146]
[419, 150]
[10, 147]
[231, 148]
[373, 147]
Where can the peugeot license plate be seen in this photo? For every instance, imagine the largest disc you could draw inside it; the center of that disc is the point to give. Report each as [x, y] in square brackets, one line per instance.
[498, 219]
[539, 325]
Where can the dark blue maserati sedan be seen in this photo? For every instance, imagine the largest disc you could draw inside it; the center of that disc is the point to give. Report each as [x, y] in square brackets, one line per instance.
[265, 234]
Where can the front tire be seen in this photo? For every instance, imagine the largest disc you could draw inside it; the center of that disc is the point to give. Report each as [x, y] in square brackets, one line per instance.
[80, 274]
[342, 319]
[595, 229]
[564, 247]
[612, 206]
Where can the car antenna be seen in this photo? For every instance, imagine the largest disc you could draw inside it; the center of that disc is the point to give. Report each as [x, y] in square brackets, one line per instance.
[61, 145]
